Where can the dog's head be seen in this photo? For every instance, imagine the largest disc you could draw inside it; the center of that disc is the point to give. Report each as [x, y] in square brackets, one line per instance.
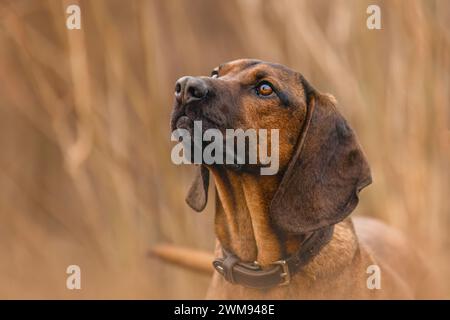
[322, 165]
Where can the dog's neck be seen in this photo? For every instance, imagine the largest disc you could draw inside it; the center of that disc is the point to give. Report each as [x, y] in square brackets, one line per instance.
[243, 223]
[242, 217]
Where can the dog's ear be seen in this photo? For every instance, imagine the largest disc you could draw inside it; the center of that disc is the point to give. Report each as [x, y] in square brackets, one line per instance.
[197, 196]
[328, 169]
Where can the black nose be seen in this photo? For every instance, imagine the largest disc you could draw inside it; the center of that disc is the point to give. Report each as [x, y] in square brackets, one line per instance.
[189, 89]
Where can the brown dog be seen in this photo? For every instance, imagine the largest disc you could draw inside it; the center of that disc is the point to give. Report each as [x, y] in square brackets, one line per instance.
[288, 235]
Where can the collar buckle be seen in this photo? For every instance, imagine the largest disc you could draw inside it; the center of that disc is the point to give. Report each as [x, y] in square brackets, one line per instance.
[286, 275]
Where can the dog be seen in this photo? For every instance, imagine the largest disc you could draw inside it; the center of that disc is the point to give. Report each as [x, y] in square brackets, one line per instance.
[289, 235]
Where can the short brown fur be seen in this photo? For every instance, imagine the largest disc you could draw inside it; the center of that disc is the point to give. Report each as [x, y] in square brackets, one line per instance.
[248, 221]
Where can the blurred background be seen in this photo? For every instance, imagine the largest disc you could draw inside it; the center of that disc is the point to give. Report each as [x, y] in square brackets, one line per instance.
[85, 170]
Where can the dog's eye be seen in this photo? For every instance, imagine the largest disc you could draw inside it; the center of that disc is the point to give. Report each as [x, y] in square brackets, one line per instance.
[264, 89]
[214, 74]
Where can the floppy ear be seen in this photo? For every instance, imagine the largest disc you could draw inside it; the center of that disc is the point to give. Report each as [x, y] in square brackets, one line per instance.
[328, 169]
[197, 196]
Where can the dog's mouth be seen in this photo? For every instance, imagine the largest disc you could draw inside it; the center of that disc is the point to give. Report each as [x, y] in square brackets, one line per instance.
[196, 123]
[192, 119]
[184, 118]
[184, 122]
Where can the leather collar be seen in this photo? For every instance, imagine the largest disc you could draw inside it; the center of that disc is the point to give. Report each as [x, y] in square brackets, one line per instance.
[252, 275]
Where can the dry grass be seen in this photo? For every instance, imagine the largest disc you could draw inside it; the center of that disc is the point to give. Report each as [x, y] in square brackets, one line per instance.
[85, 170]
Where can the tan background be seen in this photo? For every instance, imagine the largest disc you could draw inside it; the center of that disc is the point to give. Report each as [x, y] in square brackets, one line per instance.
[85, 170]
